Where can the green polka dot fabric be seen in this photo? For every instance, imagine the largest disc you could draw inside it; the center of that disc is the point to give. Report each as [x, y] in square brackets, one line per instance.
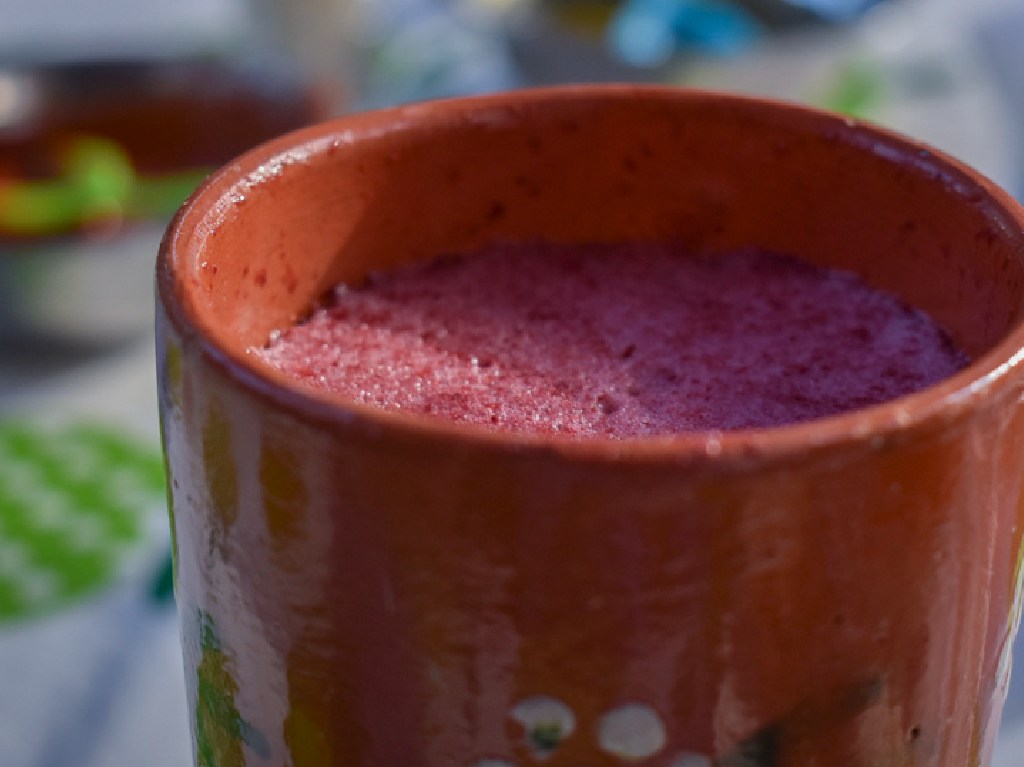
[73, 501]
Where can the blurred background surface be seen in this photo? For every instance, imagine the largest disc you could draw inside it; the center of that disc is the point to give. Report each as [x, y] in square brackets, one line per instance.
[112, 110]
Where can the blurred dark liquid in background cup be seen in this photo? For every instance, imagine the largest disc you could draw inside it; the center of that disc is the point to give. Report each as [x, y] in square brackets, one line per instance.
[94, 159]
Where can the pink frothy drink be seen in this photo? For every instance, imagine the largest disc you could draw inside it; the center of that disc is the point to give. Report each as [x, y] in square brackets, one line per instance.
[619, 340]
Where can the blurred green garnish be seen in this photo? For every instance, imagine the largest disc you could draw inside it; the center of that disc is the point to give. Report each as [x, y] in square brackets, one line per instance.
[97, 182]
[858, 89]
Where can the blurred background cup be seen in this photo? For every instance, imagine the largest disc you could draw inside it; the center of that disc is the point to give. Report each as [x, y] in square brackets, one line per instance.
[376, 589]
[110, 114]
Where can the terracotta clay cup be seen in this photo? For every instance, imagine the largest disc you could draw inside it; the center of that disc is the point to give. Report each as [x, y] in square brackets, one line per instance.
[364, 589]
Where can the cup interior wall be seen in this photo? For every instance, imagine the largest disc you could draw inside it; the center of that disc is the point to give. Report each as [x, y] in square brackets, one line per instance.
[709, 173]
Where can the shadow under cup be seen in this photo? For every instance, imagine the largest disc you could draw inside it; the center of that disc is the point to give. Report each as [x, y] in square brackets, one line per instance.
[367, 589]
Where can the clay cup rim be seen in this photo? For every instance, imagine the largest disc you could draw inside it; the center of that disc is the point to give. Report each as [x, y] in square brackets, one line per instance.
[998, 371]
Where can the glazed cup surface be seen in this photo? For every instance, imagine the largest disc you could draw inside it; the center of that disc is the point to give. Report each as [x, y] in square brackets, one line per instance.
[368, 589]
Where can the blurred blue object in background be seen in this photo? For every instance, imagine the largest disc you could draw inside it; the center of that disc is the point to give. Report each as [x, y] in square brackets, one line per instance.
[649, 32]
[836, 10]
[420, 49]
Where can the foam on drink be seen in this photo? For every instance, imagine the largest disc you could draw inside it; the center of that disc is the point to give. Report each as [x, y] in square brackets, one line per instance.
[620, 340]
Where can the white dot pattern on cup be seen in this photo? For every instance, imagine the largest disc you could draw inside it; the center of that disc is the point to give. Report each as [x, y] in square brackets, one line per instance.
[631, 732]
[546, 723]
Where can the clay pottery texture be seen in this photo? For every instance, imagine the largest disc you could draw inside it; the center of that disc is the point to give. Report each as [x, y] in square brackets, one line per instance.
[363, 589]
